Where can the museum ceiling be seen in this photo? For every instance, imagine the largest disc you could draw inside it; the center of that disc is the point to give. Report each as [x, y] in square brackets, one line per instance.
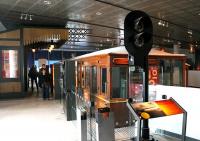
[97, 24]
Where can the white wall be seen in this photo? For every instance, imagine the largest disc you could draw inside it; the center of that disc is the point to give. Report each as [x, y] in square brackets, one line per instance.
[189, 99]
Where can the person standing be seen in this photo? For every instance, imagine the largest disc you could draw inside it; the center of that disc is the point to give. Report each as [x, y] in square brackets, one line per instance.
[33, 74]
[44, 81]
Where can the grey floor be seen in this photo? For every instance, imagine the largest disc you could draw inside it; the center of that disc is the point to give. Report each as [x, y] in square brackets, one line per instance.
[164, 138]
[33, 119]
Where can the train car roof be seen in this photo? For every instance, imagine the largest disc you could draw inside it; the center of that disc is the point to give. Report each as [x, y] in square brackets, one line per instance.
[122, 50]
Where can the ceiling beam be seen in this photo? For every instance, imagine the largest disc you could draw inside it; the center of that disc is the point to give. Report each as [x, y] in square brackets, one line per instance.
[98, 43]
[81, 46]
[98, 36]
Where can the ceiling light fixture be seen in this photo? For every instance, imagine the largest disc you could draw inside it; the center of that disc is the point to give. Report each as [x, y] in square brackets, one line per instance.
[25, 16]
[191, 50]
[98, 13]
[52, 46]
[163, 23]
[160, 23]
[189, 32]
[33, 50]
[21, 17]
[47, 2]
[30, 17]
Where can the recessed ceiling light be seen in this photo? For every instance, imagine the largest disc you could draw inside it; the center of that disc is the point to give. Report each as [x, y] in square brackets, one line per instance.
[199, 14]
[189, 32]
[47, 2]
[98, 13]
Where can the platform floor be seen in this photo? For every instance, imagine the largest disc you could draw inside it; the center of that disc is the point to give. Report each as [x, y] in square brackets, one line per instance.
[34, 119]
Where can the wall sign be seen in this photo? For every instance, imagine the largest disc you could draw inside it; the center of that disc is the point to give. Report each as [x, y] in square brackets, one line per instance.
[153, 75]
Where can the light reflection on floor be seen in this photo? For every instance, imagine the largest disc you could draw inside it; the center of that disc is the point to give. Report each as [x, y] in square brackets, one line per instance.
[34, 120]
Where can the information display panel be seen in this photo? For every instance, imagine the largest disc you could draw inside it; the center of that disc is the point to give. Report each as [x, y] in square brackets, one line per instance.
[156, 109]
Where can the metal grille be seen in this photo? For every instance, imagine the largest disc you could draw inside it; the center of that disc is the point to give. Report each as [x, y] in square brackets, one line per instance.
[125, 133]
[93, 128]
[88, 128]
[128, 132]
[78, 33]
[91, 125]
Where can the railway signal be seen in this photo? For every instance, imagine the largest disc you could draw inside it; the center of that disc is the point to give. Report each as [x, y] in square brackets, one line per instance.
[138, 31]
[138, 42]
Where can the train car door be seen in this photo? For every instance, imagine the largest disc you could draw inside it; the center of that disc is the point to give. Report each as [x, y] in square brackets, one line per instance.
[93, 80]
[103, 81]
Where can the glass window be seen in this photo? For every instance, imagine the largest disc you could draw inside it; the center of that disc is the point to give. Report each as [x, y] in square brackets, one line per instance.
[103, 80]
[171, 72]
[136, 83]
[79, 74]
[119, 82]
[83, 76]
[94, 80]
[87, 77]
[9, 61]
[177, 73]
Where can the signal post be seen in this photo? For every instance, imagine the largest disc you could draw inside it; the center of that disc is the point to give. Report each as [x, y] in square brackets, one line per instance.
[138, 41]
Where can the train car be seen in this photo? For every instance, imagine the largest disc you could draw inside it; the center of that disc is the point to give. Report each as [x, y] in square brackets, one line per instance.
[102, 78]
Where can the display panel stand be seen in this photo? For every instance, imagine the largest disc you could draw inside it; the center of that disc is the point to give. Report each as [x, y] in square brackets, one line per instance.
[138, 119]
[184, 123]
[156, 109]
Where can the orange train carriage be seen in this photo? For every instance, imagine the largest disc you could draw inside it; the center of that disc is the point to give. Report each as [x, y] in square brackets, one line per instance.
[102, 77]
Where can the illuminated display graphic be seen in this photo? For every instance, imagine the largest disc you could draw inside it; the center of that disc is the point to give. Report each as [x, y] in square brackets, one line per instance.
[156, 109]
[9, 64]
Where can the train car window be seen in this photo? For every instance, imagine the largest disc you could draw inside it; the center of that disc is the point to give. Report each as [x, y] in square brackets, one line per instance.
[119, 82]
[103, 80]
[83, 76]
[171, 73]
[87, 77]
[94, 80]
[79, 74]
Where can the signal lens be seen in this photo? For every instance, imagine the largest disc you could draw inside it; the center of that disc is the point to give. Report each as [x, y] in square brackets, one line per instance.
[139, 40]
[139, 25]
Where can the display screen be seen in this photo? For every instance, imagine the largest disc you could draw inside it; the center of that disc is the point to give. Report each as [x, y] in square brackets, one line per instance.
[156, 109]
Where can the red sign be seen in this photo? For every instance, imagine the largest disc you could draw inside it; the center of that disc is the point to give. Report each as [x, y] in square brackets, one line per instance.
[153, 75]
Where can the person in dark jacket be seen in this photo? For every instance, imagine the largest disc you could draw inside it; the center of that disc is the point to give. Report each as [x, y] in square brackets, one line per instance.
[42, 72]
[33, 74]
[44, 81]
